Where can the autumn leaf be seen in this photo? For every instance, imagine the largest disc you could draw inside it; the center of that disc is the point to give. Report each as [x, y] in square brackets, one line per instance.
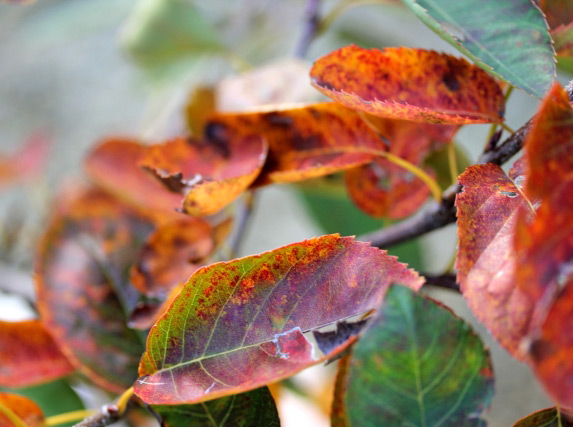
[83, 288]
[409, 84]
[550, 417]
[416, 364]
[383, 189]
[253, 313]
[27, 162]
[114, 166]
[210, 173]
[21, 407]
[487, 211]
[509, 39]
[307, 142]
[250, 409]
[29, 355]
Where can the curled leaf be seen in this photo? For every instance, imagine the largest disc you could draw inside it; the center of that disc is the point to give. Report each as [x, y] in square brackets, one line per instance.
[238, 325]
[409, 84]
[211, 172]
[83, 288]
[29, 355]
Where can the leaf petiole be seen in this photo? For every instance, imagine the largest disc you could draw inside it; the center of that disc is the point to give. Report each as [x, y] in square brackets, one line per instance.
[67, 417]
[452, 162]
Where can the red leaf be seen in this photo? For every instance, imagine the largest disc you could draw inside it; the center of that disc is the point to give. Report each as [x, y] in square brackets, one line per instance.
[487, 210]
[210, 173]
[114, 166]
[411, 84]
[383, 189]
[83, 288]
[240, 324]
[23, 408]
[29, 355]
[307, 142]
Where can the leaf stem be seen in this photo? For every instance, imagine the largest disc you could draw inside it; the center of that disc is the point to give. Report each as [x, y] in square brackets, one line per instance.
[123, 400]
[507, 128]
[311, 26]
[415, 170]
[452, 162]
[68, 417]
[12, 417]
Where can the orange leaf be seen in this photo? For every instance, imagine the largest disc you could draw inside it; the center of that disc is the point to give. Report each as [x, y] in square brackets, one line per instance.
[171, 254]
[487, 210]
[23, 408]
[114, 166]
[383, 189]
[210, 173]
[307, 142]
[29, 355]
[411, 84]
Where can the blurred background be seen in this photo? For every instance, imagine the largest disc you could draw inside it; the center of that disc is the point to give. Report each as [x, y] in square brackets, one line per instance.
[73, 72]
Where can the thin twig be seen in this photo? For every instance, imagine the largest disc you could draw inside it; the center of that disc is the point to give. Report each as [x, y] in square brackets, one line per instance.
[244, 213]
[311, 27]
[439, 215]
[445, 281]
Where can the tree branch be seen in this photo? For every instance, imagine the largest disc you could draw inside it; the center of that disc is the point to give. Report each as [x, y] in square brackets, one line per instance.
[108, 415]
[311, 26]
[439, 215]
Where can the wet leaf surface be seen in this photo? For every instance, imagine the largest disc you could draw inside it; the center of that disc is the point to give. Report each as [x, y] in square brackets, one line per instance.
[239, 325]
[23, 408]
[83, 287]
[255, 408]
[409, 84]
[29, 355]
[307, 142]
[509, 38]
[416, 364]
[114, 166]
[487, 210]
[210, 173]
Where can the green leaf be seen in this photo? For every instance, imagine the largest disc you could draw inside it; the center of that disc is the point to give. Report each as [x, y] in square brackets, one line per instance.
[549, 417]
[417, 364]
[161, 35]
[508, 38]
[238, 325]
[53, 398]
[251, 409]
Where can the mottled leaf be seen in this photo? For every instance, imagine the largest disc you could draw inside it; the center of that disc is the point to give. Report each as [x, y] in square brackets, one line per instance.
[252, 409]
[306, 142]
[29, 355]
[239, 325]
[171, 254]
[507, 38]
[83, 287]
[21, 407]
[114, 166]
[211, 172]
[417, 364]
[557, 12]
[487, 210]
[383, 189]
[550, 417]
[409, 84]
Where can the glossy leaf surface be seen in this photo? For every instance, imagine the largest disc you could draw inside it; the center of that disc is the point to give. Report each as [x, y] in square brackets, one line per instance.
[239, 325]
[487, 210]
[549, 417]
[209, 173]
[83, 288]
[417, 364]
[255, 408]
[307, 142]
[171, 254]
[114, 166]
[23, 408]
[509, 38]
[29, 355]
[409, 84]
